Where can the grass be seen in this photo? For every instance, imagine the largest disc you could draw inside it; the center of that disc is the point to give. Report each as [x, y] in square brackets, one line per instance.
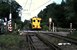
[11, 41]
[73, 35]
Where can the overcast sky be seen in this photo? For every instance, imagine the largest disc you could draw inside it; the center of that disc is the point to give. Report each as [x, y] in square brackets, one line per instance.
[32, 7]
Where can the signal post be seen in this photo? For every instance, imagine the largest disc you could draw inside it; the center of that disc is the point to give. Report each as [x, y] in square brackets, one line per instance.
[50, 20]
[10, 29]
[9, 26]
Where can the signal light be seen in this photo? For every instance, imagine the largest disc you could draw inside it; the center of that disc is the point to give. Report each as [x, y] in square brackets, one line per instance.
[10, 27]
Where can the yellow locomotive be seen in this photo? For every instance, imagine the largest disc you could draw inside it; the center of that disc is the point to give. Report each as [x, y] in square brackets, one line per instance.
[35, 22]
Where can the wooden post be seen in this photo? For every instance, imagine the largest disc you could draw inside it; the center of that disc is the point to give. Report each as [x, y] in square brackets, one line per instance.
[15, 26]
[53, 27]
[70, 28]
[49, 26]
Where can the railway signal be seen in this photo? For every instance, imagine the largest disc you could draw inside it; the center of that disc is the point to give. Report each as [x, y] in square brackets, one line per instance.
[10, 29]
[9, 26]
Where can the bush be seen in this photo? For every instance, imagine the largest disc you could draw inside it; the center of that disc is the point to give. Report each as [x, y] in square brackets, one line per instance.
[14, 32]
[45, 27]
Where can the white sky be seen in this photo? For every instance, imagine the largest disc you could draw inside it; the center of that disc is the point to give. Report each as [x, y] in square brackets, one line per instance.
[32, 7]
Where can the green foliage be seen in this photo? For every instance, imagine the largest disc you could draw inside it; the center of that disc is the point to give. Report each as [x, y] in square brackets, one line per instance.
[62, 14]
[9, 40]
[5, 9]
[26, 25]
[14, 8]
[73, 35]
[45, 27]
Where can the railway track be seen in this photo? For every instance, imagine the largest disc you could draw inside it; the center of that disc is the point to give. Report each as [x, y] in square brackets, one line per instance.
[36, 43]
[60, 39]
[68, 39]
[49, 41]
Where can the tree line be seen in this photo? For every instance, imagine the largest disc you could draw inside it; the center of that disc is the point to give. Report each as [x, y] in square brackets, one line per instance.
[62, 14]
[11, 6]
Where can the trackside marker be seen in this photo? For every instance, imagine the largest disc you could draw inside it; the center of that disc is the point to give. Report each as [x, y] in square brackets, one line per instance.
[64, 44]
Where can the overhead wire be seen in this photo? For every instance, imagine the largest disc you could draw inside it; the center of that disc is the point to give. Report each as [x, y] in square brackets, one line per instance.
[29, 2]
[41, 5]
[30, 5]
[25, 4]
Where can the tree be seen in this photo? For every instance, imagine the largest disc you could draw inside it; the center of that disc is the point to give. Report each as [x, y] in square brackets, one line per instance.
[71, 12]
[62, 14]
[55, 11]
[27, 25]
[5, 9]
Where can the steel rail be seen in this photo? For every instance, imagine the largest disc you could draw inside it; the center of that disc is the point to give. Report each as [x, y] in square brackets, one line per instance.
[31, 46]
[69, 39]
[47, 42]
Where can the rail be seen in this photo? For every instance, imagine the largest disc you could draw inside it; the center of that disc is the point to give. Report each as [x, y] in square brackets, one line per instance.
[69, 39]
[30, 43]
[47, 42]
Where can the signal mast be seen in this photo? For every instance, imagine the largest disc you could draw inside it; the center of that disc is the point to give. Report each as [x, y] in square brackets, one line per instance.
[10, 19]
